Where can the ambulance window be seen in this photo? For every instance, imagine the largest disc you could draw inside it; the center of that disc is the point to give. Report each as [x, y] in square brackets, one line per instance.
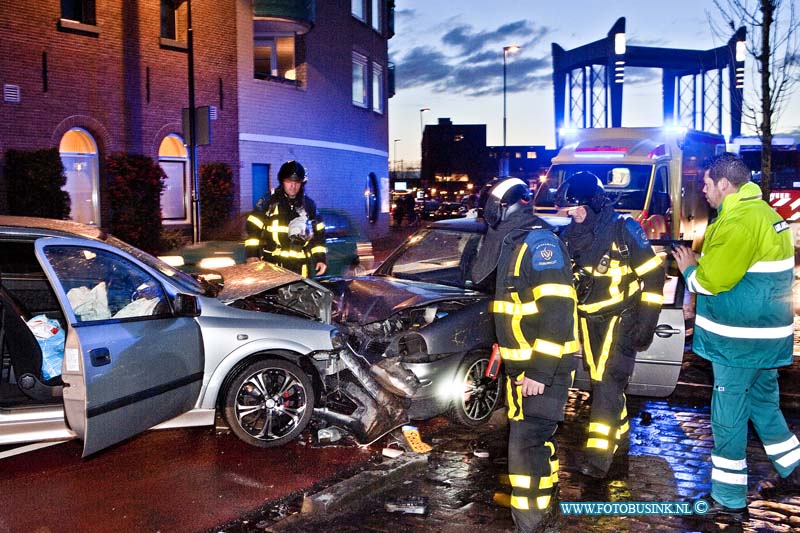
[661, 202]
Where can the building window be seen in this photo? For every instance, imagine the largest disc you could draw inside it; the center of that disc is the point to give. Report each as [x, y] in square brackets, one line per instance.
[377, 88]
[174, 22]
[79, 156]
[174, 161]
[360, 80]
[274, 57]
[359, 10]
[376, 14]
[531, 155]
[78, 10]
[261, 189]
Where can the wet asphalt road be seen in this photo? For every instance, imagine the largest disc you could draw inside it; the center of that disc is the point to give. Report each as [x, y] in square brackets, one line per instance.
[669, 462]
[167, 480]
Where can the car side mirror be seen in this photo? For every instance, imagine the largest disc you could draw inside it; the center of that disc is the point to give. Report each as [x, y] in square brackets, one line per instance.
[186, 305]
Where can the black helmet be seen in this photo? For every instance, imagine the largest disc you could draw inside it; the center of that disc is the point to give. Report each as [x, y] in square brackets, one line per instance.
[582, 188]
[292, 170]
[504, 197]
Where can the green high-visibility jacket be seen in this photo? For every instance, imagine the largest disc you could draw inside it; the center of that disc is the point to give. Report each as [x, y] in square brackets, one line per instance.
[743, 282]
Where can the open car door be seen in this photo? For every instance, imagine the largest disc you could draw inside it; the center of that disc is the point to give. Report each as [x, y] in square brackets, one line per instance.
[129, 362]
[656, 370]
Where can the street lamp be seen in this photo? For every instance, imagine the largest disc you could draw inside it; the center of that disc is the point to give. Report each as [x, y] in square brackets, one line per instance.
[506, 49]
[395, 157]
[421, 111]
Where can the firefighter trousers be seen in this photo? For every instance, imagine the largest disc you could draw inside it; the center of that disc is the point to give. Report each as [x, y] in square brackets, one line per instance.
[609, 355]
[739, 395]
[532, 459]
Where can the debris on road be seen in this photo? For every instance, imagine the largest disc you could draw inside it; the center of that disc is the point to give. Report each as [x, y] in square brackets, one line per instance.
[407, 505]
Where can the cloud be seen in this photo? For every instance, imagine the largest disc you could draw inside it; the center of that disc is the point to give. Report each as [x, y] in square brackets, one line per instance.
[470, 62]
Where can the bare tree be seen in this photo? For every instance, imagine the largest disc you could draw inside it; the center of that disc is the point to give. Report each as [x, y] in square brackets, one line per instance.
[773, 40]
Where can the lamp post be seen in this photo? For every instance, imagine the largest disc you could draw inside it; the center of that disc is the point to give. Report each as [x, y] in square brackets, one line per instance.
[395, 157]
[506, 50]
[503, 163]
[421, 124]
[197, 234]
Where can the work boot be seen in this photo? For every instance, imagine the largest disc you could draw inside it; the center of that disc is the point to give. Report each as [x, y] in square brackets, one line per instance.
[717, 511]
[535, 521]
[781, 486]
[595, 465]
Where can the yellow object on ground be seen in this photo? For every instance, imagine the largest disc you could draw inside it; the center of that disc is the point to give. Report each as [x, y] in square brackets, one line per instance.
[414, 440]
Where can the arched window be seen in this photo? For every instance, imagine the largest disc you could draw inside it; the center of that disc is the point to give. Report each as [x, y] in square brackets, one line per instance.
[79, 156]
[174, 161]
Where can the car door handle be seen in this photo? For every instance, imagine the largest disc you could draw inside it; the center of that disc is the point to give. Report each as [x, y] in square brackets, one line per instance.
[665, 330]
[100, 356]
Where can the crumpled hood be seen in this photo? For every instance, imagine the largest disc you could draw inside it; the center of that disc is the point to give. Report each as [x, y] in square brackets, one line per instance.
[371, 298]
[241, 281]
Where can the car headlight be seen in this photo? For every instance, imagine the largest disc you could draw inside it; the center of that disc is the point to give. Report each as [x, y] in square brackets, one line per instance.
[211, 263]
[172, 260]
[338, 340]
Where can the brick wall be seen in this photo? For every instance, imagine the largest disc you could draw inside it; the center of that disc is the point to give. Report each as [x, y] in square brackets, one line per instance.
[127, 90]
[119, 84]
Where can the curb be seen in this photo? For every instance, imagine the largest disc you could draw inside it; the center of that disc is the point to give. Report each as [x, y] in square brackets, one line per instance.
[370, 482]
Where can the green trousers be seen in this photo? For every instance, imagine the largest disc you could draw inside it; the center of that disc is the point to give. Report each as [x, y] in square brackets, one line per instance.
[742, 394]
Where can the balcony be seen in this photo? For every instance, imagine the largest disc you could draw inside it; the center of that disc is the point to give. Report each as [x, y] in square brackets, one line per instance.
[284, 16]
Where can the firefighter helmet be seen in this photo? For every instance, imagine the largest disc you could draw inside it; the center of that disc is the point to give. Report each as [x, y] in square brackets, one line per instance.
[582, 188]
[505, 196]
[292, 170]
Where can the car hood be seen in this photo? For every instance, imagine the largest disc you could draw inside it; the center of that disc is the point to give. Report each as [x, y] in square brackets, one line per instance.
[241, 281]
[371, 298]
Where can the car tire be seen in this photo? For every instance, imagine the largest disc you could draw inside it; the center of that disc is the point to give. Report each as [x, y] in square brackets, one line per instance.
[481, 395]
[269, 403]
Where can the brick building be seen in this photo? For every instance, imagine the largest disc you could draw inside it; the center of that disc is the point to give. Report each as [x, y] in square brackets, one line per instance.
[284, 79]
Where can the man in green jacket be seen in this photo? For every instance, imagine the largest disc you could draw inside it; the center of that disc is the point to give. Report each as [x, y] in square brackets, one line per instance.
[743, 282]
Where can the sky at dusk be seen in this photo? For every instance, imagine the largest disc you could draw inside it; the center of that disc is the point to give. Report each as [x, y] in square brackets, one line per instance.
[449, 58]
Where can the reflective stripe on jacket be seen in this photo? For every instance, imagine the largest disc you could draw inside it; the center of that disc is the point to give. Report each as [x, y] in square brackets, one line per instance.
[743, 282]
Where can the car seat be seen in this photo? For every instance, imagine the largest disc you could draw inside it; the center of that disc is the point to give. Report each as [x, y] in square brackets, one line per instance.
[24, 351]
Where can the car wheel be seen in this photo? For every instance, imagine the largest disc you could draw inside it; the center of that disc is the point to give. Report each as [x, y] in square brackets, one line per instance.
[481, 395]
[269, 403]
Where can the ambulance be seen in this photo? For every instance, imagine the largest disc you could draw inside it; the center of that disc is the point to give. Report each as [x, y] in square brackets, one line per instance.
[655, 174]
[784, 194]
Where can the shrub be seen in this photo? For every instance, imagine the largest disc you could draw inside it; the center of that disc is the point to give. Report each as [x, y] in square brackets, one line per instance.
[216, 198]
[135, 183]
[35, 179]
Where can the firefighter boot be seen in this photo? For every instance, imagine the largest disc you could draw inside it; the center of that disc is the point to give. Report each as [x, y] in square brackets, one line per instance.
[596, 465]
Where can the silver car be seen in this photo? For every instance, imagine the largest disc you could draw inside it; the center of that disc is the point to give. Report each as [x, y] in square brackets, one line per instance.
[145, 345]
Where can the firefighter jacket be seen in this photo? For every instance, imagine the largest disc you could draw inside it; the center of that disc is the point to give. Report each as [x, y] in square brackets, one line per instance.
[618, 271]
[534, 306]
[743, 282]
[276, 244]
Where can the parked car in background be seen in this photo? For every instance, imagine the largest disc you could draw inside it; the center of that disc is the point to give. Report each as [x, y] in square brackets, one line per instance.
[348, 249]
[426, 209]
[146, 345]
[449, 210]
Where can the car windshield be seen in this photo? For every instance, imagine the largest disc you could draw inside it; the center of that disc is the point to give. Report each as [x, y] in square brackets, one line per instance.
[625, 184]
[182, 280]
[436, 256]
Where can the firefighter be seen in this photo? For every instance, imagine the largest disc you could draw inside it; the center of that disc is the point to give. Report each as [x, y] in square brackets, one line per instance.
[287, 231]
[619, 282]
[535, 321]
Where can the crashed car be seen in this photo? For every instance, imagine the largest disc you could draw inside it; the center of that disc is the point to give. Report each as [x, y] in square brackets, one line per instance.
[420, 307]
[126, 342]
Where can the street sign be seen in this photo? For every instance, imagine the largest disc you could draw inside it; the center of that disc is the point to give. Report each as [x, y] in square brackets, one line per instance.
[202, 121]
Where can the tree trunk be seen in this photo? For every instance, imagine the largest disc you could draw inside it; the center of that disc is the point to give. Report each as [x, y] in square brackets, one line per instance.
[768, 12]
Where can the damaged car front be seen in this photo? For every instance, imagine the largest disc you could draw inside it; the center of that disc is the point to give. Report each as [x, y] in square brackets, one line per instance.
[418, 312]
[348, 393]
